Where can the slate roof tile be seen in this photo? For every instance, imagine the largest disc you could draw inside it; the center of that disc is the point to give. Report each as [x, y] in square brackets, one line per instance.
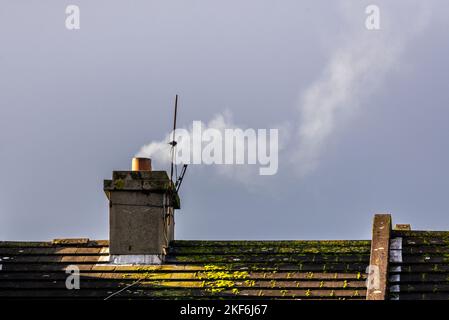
[193, 269]
[419, 270]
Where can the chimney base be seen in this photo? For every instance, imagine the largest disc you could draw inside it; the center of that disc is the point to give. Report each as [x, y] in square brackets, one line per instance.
[136, 259]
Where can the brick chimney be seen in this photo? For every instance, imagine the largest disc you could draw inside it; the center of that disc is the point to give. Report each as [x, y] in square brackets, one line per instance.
[141, 214]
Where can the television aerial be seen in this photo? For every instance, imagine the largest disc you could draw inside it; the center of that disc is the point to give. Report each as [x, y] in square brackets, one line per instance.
[174, 167]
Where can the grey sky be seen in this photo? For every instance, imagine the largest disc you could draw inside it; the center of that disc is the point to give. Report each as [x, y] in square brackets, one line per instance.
[75, 105]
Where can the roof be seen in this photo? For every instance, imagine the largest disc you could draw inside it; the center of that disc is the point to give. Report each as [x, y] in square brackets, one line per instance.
[396, 263]
[419, 265]
[193, 269]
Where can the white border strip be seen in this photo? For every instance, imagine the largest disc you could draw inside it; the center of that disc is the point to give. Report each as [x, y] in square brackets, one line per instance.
[396, 257]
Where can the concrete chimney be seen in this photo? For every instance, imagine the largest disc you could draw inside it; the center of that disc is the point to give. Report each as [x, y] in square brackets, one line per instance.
[141, 214]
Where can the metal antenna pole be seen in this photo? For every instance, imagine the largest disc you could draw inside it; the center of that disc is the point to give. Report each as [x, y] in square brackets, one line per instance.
[173, 142]
[181, 177]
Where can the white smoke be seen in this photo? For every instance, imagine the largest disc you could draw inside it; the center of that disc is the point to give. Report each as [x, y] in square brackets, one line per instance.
[354, 70]
[352, 73]
[250, 144]
[160, 151]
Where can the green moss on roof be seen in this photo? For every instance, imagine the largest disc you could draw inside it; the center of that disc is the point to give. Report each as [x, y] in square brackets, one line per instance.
[281, 243]
[196, 269]
[422, 234]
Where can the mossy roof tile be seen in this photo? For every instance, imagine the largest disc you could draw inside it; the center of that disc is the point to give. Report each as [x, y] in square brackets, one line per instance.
[420, 267]
[194, 269]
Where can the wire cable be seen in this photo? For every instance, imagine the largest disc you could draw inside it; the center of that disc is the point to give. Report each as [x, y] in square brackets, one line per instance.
[123, 289]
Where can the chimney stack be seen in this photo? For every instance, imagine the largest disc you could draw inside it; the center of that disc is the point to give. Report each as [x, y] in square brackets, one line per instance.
[141, 214]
